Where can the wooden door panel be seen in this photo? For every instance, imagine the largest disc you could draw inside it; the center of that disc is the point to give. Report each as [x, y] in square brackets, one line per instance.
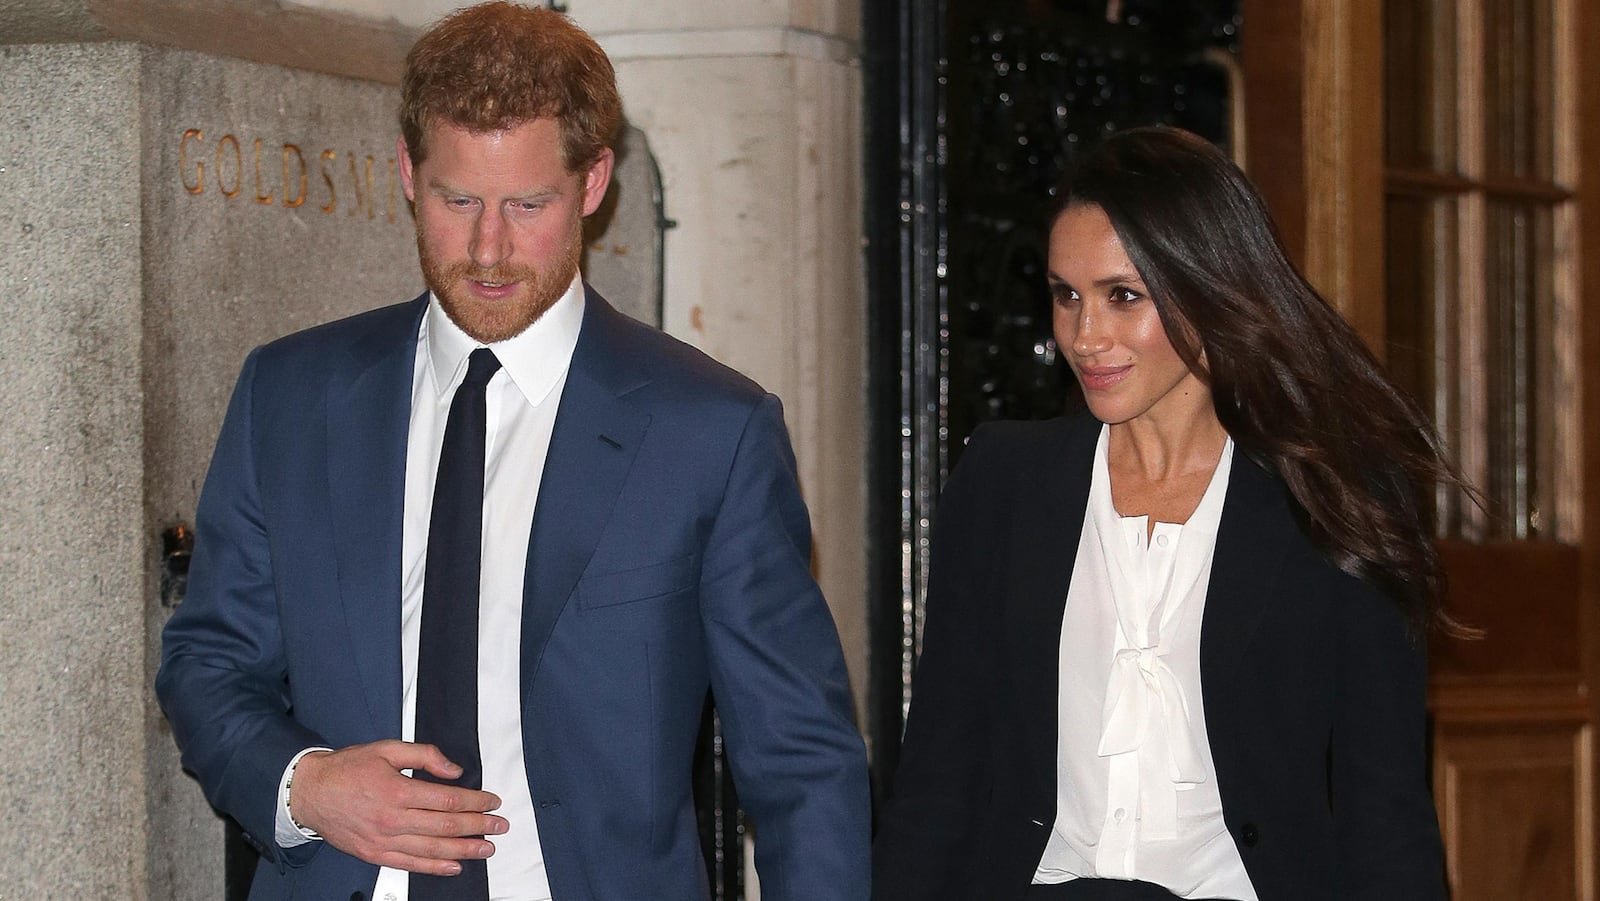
[1508, 802]
[1524, 596]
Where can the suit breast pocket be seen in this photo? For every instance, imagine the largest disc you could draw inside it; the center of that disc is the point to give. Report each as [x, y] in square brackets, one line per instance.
[643, 583]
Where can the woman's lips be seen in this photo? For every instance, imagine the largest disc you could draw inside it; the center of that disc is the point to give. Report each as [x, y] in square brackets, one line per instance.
[1099, 378]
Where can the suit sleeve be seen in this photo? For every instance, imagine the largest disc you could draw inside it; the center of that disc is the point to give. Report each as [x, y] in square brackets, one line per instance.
[1387, 829]
[223, 677]
[779, 680]
[926, 837]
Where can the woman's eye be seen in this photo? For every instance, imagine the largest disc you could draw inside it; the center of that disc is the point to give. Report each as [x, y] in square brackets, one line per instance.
[1124, 295]
[1063, 294]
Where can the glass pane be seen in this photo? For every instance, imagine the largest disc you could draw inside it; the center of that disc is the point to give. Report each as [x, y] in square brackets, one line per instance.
[1409, 290]
[1423, 325]
[1520, 367]
[1419, 85]
[1519, 87]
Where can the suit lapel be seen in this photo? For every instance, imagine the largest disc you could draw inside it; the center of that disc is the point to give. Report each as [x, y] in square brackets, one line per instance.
[369, 408]
[597, 434]
[1253, 539]
[1049, 524]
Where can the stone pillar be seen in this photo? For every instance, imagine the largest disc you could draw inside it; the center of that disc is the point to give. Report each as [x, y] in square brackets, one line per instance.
[72, 562]
[753, 110]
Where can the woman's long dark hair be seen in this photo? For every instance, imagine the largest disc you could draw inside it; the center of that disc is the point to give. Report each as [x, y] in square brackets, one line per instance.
[1291, 381]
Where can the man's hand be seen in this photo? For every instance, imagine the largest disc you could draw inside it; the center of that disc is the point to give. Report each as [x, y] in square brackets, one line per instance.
[361, 803]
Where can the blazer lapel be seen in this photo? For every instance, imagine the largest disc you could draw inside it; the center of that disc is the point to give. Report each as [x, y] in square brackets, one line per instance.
[1253, 539]
[369, 409]
[1049, 524]
[597, 434]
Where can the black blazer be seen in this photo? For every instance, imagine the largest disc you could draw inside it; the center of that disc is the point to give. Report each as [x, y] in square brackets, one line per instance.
[1314, 692]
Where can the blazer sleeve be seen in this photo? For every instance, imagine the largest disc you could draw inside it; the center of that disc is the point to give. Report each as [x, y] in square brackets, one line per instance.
[1387, 831]
[778, 675]
[223, 676]
[927, 833]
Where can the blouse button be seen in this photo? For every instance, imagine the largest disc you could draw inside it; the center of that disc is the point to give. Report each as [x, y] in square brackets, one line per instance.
[1161, 540]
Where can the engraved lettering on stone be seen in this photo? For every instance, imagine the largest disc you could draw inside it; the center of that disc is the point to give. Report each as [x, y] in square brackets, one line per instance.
[362, 198]
[372, 197]
[292, 151]
[333, 196]
[269, 197]
[228, 174]
[391, 189]
[238, 166]
[183, 162]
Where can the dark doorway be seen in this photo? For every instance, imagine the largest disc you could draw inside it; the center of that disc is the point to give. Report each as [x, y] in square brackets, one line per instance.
[973, 107]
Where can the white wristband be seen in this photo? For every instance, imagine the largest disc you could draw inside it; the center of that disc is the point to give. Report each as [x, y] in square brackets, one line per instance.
[283, 793]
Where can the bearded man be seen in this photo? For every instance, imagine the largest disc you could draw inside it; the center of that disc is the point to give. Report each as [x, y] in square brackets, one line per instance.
[467, 566]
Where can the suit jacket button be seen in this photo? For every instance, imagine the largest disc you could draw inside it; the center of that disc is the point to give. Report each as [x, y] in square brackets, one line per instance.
[1249, 834]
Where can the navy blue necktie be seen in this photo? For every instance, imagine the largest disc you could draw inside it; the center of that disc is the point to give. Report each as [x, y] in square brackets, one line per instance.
[447, 648]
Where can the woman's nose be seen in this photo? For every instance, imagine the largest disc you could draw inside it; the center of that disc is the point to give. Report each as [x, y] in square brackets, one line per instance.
[1090, 337]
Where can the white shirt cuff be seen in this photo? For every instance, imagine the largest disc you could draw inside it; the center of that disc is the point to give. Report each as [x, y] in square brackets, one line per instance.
[287, 833]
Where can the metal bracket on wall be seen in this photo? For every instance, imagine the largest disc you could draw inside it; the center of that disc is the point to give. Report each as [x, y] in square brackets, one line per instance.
[177, 546]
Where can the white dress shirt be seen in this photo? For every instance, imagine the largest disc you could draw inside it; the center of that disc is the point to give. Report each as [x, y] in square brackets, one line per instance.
[1137, 793]
[521, 404]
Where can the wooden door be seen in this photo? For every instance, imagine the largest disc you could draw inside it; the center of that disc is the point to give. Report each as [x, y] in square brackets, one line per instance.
[1470, 129]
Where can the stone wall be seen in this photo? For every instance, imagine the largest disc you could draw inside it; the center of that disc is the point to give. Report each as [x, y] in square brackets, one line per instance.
[165, 212]
[272, 202]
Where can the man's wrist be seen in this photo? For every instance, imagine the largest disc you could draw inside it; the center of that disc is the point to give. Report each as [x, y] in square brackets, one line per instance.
[290, 832]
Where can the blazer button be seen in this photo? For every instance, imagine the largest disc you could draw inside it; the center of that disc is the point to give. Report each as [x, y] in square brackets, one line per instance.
[1249, 834]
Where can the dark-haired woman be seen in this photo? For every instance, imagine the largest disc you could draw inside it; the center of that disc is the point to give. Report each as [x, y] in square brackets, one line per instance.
[1175, 647]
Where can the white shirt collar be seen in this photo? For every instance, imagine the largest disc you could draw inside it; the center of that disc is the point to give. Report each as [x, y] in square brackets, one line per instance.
[535, 359]
[1196, 539]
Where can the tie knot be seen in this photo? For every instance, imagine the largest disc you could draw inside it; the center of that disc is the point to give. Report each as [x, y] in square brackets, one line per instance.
[481, 367]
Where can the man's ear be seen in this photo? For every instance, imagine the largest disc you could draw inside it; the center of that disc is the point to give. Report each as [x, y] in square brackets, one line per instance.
[403, 154]
[597, 179]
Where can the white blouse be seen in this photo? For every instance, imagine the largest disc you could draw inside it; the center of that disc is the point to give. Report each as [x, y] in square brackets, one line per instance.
[1136, 786]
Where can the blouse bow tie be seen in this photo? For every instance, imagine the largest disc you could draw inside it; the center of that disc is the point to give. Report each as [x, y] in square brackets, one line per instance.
[1144, 702]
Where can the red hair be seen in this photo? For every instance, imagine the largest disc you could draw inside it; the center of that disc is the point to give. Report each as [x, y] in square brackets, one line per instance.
[498, 65]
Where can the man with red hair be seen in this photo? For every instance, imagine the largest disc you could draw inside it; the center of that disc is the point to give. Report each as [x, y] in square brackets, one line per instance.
[467, 566]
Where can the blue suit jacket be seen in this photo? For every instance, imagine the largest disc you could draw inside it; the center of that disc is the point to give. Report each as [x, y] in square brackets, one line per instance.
[670, 551]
